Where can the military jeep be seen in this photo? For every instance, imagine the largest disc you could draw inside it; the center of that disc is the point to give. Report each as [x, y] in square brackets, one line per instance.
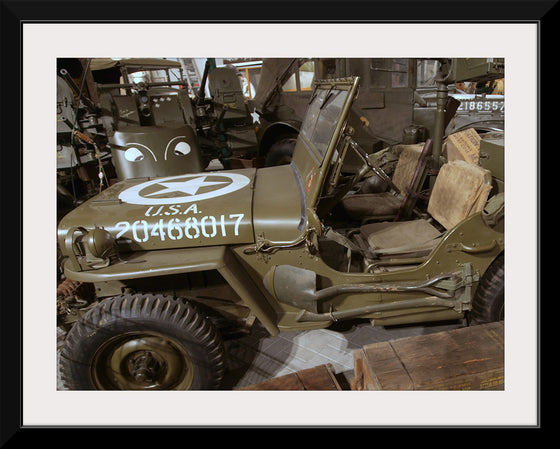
[173, 261]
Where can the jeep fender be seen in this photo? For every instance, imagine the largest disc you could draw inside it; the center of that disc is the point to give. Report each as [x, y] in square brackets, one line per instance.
[186, 260]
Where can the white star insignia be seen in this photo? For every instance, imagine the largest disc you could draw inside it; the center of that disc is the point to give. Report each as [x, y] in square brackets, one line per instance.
[189, 187]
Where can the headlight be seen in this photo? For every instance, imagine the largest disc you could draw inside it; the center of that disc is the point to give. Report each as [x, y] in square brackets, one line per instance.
[89, 249]
[100, 243]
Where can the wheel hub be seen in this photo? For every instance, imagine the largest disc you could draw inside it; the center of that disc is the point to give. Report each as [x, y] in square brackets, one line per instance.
[144, 368]
[142, 361]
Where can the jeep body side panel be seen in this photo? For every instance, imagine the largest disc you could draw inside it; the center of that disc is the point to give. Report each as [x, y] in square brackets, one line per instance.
[470, 244]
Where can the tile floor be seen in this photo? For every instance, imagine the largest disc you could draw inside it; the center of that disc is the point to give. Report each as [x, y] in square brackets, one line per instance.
[256, 357]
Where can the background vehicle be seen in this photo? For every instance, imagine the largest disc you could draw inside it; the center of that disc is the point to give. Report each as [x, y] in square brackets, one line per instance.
[172, 259]
[134, 117]
[220, 126]
[397, 101]
[481, 106]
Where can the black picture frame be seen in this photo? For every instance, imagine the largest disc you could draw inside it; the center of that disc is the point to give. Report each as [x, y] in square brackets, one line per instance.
[16, 13]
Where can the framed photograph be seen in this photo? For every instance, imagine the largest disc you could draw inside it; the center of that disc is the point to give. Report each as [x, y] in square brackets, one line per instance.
[34, 39]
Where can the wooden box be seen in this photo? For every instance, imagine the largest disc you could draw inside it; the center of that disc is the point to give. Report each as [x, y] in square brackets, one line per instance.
[470, 358]
[463, 145]
[321, 377]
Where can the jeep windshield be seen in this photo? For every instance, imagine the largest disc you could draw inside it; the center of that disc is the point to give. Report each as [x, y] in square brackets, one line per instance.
[323, 112]
[324, 120]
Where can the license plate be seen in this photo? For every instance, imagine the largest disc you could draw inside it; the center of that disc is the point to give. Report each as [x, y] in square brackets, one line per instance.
[481, 106]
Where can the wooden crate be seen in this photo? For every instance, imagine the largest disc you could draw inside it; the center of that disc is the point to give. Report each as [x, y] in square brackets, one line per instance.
[470, 358]
[321, 377]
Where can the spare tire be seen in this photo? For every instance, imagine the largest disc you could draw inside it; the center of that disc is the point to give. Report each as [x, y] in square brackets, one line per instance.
[281, 152]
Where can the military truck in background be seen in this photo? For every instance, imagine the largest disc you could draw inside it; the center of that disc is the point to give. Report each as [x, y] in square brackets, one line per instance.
[171, 262]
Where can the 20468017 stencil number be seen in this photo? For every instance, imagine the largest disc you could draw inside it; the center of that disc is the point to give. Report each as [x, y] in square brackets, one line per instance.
[208, 226]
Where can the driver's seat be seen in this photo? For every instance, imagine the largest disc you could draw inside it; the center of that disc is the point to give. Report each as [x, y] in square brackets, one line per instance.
[386, 205]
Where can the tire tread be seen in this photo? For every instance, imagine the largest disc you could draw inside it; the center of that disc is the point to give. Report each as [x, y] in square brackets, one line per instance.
[178, 312]
[489, 294]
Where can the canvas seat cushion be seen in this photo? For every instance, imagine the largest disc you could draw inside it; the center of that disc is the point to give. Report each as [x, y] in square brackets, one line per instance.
[402, 236]
[461, 189]
[371, 204]
[407, 165]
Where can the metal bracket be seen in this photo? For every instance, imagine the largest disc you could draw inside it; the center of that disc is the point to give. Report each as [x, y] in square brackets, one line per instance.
[464, 298]
[475, 248]
[267, 247]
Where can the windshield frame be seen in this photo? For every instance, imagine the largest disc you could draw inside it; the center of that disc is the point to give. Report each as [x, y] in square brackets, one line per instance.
[311, 162]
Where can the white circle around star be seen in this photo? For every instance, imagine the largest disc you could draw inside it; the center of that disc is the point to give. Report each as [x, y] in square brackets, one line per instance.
[183, 188]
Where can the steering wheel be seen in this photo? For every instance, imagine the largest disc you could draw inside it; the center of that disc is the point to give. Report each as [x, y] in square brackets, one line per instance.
[369, 165]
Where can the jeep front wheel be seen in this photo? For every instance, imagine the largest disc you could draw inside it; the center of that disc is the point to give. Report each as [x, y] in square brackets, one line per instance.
[142, 342]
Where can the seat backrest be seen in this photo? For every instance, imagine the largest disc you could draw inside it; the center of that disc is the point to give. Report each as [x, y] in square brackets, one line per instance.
[384, 205]
[460, 190]
[406, 166]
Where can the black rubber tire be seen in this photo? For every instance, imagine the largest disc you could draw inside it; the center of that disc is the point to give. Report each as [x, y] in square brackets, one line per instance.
[184, 349]
[488, 302]
[281, 152]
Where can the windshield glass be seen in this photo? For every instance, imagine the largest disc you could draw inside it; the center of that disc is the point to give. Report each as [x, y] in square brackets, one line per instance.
[322, 114]
[322, 126]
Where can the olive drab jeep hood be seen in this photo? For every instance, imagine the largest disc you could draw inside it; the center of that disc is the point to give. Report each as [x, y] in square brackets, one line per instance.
[204, 209]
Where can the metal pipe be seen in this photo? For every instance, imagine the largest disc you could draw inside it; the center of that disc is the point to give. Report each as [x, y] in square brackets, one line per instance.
[201, 91]
[87, 102]
[395, 262]
[133, 85]
[305, 315]
[64, 73]
[67, 122]
[336, 290]
[441, 102]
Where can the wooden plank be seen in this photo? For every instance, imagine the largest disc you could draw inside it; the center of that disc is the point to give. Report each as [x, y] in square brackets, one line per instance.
[287, 382]
[470, 358]
[321, 377]
[383, 357]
